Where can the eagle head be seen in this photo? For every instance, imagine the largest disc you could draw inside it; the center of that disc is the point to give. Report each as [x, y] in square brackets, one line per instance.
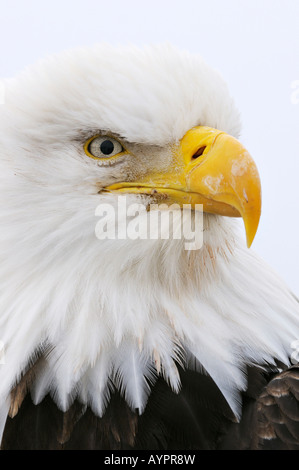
[92, 314]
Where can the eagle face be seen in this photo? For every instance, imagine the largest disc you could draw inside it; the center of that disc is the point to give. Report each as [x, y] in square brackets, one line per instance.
[78, 131]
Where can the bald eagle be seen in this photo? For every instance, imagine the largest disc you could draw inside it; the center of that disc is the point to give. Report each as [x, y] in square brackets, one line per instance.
[127, 342]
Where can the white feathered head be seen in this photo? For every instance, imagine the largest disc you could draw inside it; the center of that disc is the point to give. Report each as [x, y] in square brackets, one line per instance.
[77, 131]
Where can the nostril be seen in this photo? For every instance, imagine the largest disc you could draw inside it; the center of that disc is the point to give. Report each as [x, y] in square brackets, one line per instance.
[199, 152]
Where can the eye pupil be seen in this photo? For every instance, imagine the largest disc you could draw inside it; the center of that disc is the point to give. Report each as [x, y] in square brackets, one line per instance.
[107, 147]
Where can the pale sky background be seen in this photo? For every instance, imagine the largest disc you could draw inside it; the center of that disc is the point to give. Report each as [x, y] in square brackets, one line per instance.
[253, 43]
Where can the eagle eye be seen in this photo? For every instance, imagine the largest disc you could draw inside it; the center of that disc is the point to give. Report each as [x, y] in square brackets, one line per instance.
[103, 147]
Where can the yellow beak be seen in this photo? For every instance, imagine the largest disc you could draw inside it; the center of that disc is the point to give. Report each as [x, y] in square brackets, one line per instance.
[210, 168]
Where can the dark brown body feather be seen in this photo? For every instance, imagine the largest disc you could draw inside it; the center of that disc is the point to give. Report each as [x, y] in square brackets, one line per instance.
[196, 418]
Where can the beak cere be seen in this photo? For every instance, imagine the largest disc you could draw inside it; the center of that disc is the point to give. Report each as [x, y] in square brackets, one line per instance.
[210, 168]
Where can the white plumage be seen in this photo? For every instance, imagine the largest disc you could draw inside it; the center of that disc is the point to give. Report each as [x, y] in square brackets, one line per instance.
[121, 312]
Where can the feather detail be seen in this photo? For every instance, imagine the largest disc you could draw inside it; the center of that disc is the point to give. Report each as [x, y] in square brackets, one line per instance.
[133, 375]
[96, 384]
